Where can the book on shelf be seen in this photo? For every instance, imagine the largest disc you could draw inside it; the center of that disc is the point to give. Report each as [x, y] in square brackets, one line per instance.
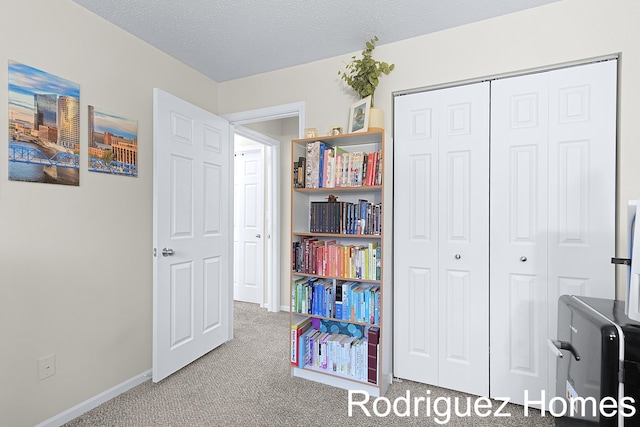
[294, 174]
[373, 341]
[299, 172]
[303, 347]
[313, 164]
[298, 327]
[338, 300]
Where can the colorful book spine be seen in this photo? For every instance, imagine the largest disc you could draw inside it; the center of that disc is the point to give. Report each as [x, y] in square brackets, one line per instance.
[304, 353]
[313, 164]
[297, 329]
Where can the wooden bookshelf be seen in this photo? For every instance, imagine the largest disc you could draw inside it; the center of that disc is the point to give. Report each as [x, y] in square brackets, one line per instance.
[370, 293]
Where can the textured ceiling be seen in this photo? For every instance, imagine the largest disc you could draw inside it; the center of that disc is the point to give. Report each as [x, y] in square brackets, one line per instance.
[230, 39]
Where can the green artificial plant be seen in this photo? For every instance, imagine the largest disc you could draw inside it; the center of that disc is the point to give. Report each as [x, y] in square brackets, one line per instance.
[363, 74]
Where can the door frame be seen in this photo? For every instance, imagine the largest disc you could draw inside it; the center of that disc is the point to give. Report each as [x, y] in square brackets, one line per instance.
[236, 120]
[535, 70]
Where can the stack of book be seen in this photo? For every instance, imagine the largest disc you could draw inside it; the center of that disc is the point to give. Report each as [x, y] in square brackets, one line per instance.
[313, 296]
[329, 167]
[352, 301]
[362, 217]
[351, 355]
[357, 302]
[327, 258]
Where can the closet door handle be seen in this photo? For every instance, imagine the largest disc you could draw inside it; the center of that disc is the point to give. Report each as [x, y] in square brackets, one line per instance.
[458, 256]
[523, 258]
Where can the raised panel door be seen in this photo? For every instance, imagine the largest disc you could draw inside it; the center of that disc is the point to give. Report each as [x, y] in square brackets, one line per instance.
[416, 311]
[464, 238]
[518, 255]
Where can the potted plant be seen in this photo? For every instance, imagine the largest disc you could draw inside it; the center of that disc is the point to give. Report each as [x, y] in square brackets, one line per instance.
[363, 75]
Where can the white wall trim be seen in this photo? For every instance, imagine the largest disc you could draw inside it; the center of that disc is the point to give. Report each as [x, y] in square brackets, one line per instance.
[95, 401]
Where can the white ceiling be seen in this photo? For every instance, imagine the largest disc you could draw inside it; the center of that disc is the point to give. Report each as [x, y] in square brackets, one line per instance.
[230, 39]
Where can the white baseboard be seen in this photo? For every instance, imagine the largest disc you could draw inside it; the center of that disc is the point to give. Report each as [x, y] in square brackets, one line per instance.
[284, 308]
[89, 404]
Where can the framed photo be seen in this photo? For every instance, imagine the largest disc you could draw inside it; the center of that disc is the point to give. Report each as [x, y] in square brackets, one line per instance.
[359, 116]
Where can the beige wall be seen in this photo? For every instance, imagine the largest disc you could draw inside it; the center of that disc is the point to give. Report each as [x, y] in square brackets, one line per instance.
[75, 262]
[558, 33]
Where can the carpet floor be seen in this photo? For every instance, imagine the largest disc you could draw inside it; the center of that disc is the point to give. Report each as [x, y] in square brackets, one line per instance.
[246, 382]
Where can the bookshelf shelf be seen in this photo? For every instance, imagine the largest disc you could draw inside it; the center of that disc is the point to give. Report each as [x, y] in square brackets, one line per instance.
[335, 380]
[332, 319]
[335, 374]
[339, 189]
[349, 279]
[349, 167]
[340, 236]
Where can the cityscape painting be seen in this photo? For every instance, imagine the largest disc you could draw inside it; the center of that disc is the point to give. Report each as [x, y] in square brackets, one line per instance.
[44, 127]
[113, 143]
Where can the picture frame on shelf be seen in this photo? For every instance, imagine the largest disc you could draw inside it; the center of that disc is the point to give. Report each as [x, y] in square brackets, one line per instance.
[359, 115]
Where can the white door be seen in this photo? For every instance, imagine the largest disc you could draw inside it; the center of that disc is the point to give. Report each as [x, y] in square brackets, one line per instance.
[249, 227]
[415, 260]
[464, 239]
[552, 213]
[191, 231]
[441, 238]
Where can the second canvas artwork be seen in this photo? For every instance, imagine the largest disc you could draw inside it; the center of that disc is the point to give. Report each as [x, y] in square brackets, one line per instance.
[113, 143]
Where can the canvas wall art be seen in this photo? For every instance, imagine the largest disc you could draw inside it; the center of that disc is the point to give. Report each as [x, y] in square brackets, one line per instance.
[113, 143]
[44, 126]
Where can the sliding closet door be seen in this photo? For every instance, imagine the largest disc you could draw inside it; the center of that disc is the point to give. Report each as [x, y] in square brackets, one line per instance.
[441, 237]
[552, 213]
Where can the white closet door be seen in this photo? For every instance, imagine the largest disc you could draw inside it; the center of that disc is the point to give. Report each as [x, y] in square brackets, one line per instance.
[552, 213]
[518, 255]
[464, 238]
[582, 190]
[416, 237]
[441, 238]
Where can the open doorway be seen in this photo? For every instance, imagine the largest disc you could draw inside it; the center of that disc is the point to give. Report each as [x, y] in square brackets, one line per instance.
[273, 128]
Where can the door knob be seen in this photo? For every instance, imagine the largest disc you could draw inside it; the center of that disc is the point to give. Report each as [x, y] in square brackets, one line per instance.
[458, 256]
[523, 258]
[258, 235]
[167, 252]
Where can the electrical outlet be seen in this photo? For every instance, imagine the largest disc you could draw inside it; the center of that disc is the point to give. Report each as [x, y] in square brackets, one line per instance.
[46, 366]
